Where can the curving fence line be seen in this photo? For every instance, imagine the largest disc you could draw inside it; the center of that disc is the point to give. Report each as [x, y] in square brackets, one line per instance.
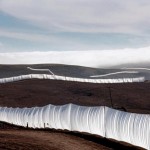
[48, 70]
[106, 122]
[114, 73]
[137, 68]
[56, 77]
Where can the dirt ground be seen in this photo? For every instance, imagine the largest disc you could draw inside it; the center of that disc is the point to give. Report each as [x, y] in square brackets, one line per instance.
[14, 138]
[132, 97]
[40, 140]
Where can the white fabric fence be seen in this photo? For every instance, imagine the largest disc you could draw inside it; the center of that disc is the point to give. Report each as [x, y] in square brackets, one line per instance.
[110, 123]
[55, 77]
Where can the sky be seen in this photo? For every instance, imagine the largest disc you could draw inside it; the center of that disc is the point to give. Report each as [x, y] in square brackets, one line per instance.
[71, 28]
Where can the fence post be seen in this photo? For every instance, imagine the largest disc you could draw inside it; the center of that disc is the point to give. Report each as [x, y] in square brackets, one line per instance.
[110, 95]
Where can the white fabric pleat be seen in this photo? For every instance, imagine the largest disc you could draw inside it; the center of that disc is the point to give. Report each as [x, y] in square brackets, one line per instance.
[55, 77]
[106, 122]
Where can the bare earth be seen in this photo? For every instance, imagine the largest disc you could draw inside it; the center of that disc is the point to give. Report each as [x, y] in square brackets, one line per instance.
[134, 97]
[40, 140]
[14, 138]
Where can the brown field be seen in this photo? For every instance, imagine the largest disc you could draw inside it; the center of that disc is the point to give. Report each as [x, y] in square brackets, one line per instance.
[134, 97]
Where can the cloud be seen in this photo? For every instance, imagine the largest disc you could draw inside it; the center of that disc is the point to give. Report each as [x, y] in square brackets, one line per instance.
[83, 16]
[38, 39]
[27, 36]
[1, 44]
[74, 25]
[104, 58]
[25, 41]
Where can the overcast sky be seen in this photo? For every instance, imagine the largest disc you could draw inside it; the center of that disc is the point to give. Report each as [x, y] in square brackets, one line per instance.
[70, 25]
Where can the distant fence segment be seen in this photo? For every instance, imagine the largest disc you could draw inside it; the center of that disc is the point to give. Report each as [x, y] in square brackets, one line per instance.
[110, 123]
[56, 77]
